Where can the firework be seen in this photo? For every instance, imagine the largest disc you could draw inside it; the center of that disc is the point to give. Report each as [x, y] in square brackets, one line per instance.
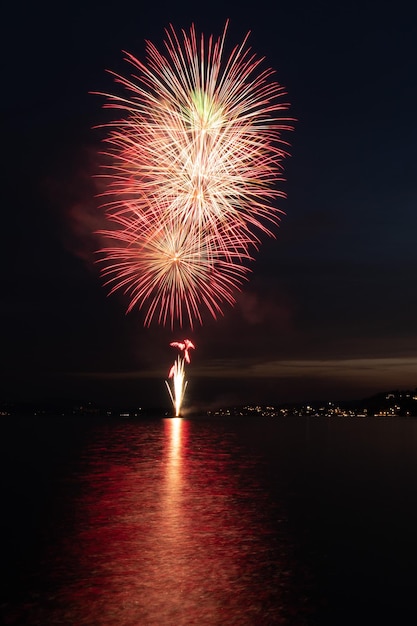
[185, 346]
[194, 163]
[177, 374]
[170, 271]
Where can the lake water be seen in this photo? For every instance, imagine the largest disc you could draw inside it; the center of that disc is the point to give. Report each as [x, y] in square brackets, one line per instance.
[165, 522]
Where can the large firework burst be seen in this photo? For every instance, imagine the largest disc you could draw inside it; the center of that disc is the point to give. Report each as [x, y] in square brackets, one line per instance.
[195, 159]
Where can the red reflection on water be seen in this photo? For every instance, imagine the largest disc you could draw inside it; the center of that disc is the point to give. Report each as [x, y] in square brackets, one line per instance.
[172, 483]
[168, 529]
[174, 433]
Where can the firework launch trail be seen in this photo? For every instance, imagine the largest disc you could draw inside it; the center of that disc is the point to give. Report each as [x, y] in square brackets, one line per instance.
[177, 374]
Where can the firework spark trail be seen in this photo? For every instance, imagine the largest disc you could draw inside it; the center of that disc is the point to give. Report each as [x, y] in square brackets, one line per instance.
[192, 182]
[184, 346]
[177, 374]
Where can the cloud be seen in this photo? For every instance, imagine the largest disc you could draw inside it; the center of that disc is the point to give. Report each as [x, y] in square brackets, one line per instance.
[335, 368]
[244, 368]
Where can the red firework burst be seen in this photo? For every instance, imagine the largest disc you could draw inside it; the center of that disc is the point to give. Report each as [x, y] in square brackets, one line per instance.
[192, 181]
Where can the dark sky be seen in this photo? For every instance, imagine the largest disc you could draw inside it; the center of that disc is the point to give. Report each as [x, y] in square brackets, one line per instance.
[330, 311]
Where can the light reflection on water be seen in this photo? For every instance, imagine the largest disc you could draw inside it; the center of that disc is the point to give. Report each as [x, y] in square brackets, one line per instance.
[168, 525]
[241, 522]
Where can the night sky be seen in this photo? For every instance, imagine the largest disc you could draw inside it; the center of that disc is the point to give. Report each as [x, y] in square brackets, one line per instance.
[330, 311]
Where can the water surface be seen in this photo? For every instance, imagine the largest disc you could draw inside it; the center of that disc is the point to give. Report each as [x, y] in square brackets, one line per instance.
[253, 521]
